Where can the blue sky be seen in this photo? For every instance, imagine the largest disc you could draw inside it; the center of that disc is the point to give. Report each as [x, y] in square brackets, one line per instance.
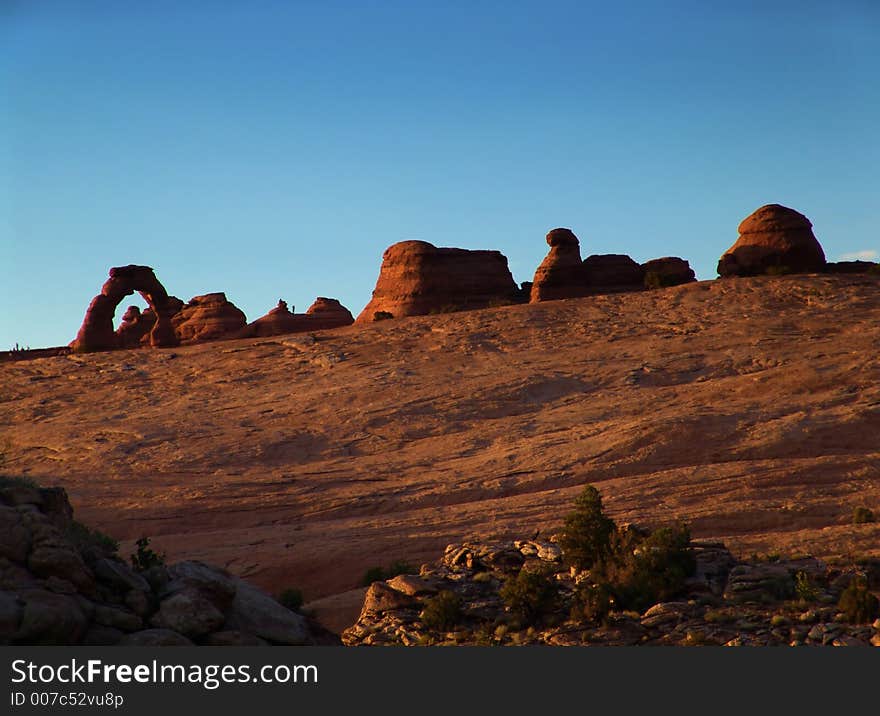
[275, 149]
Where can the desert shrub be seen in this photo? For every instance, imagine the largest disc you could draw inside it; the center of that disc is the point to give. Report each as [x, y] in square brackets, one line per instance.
[641, 571]
[87, 540]
[291, 598]
[857, 603]
[587, 532]
[442, 611]
[778, 270]
[592, 602]
[380, 574]
[655, 279]
[531, 594]
[144, 557]
[862, 515]
[804, 588]
[16, 481]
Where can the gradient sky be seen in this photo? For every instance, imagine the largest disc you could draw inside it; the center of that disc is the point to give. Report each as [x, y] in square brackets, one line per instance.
[275, 149]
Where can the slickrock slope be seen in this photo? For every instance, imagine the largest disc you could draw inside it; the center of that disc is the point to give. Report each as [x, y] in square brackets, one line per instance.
[749, 407]
[417, 278]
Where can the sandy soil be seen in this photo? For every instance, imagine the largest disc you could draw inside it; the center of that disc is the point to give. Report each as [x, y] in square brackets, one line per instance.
[748, 407]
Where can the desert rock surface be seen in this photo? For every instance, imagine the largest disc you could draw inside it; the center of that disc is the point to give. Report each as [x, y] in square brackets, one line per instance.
[748, 407]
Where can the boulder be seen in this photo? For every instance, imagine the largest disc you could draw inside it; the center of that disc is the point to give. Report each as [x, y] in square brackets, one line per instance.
[207, 318]
[155, 637]
[613, 273]
[255, 612]
[773, 239]
[417, 278]
[561, 273]
[328, 313]
[667, 271]
[189, 613]
[96, 332]
[49, 618]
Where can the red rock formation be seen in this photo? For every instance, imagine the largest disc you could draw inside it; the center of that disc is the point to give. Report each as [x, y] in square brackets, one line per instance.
[96, 332]
[667, 271]
[207, 318]
[329, 313]
[561, 274]
[418, 278]
[324, 313]
[773, 239]
[613, 273]
[135, 327]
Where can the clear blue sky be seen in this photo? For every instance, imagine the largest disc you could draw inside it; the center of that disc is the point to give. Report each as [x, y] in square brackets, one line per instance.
[275, 149]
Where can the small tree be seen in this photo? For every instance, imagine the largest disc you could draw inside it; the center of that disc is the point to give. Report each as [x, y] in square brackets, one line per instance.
[857, 602]
[530, 594]
[587, 532]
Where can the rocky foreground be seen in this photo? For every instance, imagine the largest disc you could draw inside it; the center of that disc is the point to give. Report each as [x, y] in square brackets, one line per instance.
[758, 602]
[62, 583]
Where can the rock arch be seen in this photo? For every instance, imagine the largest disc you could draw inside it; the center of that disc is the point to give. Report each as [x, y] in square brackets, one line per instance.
[96, 332]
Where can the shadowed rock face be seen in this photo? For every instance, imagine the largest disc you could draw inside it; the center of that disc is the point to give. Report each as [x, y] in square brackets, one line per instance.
[613, 273]
[96, 332]
[561, 274]
[324, 313]
[667, 271]
[773, 239]
[207, 318]
[418, 278]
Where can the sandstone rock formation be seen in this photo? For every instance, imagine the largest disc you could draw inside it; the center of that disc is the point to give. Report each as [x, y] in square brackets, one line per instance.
[417, 278]
[725, 602]
[62, 584]
[613, 273]
[324, 313]
[561, 274]
[773, 239]
[207, 318]
[667, 271]
[96, 332]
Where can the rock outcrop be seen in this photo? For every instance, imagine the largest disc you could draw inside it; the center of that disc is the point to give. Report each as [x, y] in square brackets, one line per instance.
[561, 273]
[417, 278]
[667, 271]
[62, 584]
[613, 273]
[96, 332]
[207, 318]
[774, 239]
[324, 313]
[725, 602]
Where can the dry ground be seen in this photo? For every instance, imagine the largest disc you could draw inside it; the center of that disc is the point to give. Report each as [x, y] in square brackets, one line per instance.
[748, 407]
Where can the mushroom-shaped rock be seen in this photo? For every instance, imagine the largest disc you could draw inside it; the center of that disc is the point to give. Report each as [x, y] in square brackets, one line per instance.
[613, 273]
[207, 318]
[96, 332]
[667, 271]
[417, 278]
[561, 273]
[773, 239]
[328, 313]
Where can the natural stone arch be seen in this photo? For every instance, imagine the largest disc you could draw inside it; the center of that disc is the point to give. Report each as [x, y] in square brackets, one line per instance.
[96, 332]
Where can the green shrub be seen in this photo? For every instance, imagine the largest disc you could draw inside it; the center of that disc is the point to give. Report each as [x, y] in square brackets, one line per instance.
[862, 515]
[291, 598]
[10, 481]
[587, 532]
[857, 603]
[531, 594]
[641, 571]
[380, 574]
[442, 612]
[592, 602]
[804, 587]
[144, 557]
[86, 539]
